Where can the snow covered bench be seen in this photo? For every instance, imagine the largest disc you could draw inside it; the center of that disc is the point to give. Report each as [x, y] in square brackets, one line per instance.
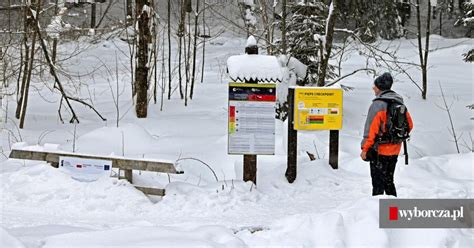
[126, 164]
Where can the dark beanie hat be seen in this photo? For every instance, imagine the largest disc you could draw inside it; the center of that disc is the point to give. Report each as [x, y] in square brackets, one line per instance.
[384, 82]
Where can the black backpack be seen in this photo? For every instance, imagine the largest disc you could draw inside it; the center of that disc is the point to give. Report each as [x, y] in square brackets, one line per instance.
[397, 129]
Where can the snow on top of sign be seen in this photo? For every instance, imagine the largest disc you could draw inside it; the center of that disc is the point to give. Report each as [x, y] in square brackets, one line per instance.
[331, 87]
[294, 65]
[254, 67]
[251, 41]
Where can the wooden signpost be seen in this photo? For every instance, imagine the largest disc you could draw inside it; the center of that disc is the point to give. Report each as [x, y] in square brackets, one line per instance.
[252, 106]
[313, 108]
[251, 129]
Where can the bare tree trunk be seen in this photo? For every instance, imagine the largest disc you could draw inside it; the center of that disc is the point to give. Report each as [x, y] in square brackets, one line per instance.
[169, 49]
[427, 49]
[194, 48]
[283, 27]
[129, 11]
[155, 61]
[423, 54]
[19, 77]
[93, 14]
[117, 108]
[187, 52]
[180, 73]
[203, 41]
[10, 15]
[26, 90]
[26, 61]
[163, 69]
[440, 22]
[451, 8]
[181, 33]
[141, 72]
[55, 40]
[331, 22]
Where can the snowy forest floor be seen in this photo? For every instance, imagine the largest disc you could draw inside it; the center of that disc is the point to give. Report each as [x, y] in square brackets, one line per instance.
[43, 207]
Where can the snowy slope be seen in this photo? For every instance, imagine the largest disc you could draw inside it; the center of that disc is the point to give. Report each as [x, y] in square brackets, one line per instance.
[43, 207]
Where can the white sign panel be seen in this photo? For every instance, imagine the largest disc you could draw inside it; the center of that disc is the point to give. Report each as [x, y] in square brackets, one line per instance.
[252, 119]
[85, 169]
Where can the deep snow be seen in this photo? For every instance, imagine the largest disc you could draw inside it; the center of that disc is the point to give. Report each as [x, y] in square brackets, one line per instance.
[43, 207]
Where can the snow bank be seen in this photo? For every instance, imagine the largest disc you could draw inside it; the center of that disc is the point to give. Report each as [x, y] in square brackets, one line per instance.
[128, 138]
[52, 192]
[225, 197]
[148, 237]
[8, 241]
[352, 226]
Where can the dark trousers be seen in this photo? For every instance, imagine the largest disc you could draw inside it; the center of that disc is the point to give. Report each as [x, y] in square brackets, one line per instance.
[381, 171]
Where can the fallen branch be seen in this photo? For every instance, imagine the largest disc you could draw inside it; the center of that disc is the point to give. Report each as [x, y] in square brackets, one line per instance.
[88, 105]
[58, 84]
[52, 67]
[208, 166]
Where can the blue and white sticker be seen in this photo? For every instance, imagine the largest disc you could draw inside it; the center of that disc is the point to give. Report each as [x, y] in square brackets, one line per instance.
[85, 169]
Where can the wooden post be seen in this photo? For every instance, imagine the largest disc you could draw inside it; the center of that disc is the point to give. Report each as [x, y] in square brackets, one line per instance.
[250, 161]
[250, 168]
[292, 139]
[334, 148]
[128, 175]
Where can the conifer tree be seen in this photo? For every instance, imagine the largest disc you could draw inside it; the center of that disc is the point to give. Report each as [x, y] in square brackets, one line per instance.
[307, 20]
[374, 18]
[467, 20]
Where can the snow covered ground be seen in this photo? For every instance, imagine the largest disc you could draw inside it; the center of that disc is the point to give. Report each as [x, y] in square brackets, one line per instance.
[43, 207]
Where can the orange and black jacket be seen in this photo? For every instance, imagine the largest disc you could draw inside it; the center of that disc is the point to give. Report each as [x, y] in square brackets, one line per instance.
[375, 124]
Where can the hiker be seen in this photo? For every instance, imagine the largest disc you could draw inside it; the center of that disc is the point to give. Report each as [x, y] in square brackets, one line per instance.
[382, 141]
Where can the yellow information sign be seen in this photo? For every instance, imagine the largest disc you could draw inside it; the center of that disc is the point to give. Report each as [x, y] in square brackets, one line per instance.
[317, 108]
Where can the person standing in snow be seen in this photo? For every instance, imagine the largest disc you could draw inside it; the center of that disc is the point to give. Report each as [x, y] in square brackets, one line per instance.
[382, 156]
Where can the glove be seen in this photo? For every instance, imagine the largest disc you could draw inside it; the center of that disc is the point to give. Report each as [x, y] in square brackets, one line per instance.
[371, 155]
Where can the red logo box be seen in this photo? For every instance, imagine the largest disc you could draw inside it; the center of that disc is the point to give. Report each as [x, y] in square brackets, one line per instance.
[393, 213]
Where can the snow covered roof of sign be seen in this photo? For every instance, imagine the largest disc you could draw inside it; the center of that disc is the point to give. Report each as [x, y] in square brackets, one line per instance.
[254, 67]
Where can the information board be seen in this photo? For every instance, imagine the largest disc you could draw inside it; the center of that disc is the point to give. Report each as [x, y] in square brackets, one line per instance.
[251, 119]
[85, 169]
[317, 108]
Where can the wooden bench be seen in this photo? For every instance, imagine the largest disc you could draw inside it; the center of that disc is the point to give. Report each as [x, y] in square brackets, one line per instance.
[125, 164]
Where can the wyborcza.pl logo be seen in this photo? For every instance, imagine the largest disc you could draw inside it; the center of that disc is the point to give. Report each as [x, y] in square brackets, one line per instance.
[410, 214]
[426, 213]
